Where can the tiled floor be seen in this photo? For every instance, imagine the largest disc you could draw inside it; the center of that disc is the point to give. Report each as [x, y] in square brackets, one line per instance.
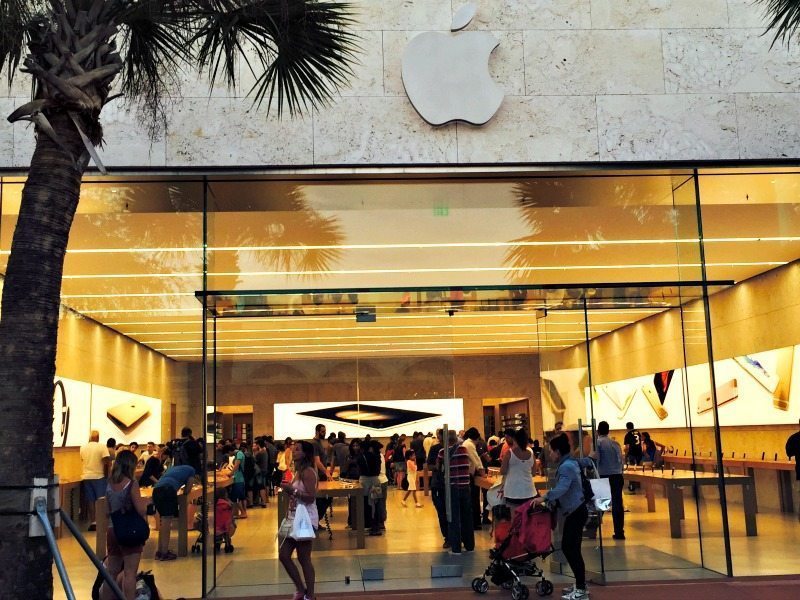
[413, 544]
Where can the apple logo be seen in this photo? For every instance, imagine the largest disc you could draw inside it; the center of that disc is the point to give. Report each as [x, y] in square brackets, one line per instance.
[447, 77]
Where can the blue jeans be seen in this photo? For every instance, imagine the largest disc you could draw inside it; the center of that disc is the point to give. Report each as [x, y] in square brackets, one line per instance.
[460, 529]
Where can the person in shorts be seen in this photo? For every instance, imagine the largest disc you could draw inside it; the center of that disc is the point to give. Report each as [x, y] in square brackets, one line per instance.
[95, 460]
[165, 500]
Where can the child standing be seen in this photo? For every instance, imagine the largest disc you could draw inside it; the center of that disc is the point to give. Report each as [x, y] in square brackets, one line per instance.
[411, 474]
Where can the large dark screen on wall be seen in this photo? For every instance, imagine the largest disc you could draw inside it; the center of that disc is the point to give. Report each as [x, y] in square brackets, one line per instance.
[367, 415]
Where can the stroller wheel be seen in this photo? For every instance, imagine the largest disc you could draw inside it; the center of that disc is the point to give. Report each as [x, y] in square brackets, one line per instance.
[507, 585]
[544, 587]
[519, 592]
[480, 585]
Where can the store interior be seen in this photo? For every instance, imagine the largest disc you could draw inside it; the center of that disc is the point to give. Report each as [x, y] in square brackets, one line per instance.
[232, 304]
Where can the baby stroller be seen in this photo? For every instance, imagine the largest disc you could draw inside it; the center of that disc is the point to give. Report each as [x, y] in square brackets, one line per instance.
[520, 538]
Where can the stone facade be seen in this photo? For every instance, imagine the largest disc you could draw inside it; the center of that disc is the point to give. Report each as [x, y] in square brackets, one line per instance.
[585, 81]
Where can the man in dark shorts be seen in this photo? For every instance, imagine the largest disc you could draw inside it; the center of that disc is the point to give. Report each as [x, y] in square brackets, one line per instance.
[633, 451]
[165, 499]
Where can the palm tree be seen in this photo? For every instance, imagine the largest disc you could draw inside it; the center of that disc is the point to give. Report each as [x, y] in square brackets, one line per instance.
[80, 55]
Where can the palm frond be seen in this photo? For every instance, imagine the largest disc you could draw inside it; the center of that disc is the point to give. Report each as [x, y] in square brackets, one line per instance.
[784, 18]
[302, 49]
[16, 17]
[156, 43]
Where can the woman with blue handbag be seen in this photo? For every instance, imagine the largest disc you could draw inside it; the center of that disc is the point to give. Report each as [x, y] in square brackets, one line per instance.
[128, 529]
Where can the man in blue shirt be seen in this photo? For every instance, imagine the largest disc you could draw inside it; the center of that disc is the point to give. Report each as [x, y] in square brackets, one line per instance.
[165, 499]
[609, 464]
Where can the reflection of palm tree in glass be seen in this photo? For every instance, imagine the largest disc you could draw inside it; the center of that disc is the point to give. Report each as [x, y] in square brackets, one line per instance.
[301, 239]
[172, 227]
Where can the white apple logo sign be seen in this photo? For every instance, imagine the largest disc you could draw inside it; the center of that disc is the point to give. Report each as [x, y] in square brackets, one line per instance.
[447, 77]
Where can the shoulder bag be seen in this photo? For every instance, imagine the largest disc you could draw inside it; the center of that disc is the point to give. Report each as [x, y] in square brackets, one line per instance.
[130, 528]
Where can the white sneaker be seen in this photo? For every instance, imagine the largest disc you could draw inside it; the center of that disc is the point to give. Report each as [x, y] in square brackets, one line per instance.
[576, 594]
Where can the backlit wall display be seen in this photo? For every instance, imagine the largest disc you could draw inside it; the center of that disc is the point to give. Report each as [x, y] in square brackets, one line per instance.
[125, 416]
[755, 389]
[71, 412]
[380, 418]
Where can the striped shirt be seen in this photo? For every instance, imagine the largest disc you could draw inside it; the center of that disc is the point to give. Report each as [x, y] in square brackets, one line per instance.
[459, 466]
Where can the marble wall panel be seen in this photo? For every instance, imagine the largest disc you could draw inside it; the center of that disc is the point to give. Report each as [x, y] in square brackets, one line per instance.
[531, 14]
[230, 132]
[367, 79]
[7, 106]
[593, 62]
[769, 125]
[20, 87]
[747, 13]
[126, 140]
[658, 14]
[733, 60]
[379, 130]
[544, 129]
[667, 127]
[399, 15]
[506, 64]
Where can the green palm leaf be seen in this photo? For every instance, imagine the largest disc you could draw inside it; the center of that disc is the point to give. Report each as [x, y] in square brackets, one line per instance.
[300, 49]
[784, 18]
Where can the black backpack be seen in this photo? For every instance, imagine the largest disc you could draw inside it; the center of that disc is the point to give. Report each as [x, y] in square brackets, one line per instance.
[180, 454]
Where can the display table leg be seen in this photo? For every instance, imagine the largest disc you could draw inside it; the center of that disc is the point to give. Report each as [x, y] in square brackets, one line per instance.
[675, 503]
[283, 506]
[183, 530]
[361, 541]
[649, 493]
[102, 526]
[749, 497]
[751, 473]
[785, 491]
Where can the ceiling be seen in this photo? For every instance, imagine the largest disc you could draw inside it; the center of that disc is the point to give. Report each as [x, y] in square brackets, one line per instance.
[511, 246]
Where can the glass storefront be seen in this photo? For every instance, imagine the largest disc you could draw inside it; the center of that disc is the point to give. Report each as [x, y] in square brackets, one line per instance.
[390, 305]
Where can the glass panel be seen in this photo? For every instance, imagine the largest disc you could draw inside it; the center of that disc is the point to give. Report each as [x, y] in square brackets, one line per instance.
[754, 216]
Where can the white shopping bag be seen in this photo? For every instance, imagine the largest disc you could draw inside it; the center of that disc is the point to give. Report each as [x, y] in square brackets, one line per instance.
[602, 493]
[302, 529]
[494, 495]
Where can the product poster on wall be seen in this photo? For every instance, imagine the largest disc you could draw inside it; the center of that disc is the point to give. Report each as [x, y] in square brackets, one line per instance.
[562, 397]
[125, 416]
[380, 418]
[71, 412]
[755, 389]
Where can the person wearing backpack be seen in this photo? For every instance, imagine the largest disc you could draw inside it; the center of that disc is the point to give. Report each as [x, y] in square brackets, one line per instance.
[568, 495]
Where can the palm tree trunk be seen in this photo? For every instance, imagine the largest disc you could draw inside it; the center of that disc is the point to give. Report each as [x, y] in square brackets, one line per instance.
[28, 336]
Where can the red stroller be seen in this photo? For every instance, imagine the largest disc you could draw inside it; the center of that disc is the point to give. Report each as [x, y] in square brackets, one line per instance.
[520, 539]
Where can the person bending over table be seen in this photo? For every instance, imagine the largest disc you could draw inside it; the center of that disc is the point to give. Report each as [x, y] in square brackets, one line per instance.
[165, 499]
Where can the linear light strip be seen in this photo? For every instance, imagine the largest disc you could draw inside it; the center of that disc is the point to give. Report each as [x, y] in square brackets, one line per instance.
[295, 248]
[160, 343]
[531, 343]
[375, 351]
[425, 270]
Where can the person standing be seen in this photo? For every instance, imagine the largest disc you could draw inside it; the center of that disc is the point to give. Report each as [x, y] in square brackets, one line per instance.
[341, 454]
[567, 495]
[238, 492]
[320, 458]
[368, 465]
[517, 470]
[122, 494]
[471, 437]
[302, 489]
[460, 529]
[95, 460]
[411, 476]
[633, 450]
[609, 464]
[437, 486]
[793, 450]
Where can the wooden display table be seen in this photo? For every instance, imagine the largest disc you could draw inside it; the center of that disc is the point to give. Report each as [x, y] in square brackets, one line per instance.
[185, 520]
[335, 489]
[487, 481]
[673, 483]
[783, 472]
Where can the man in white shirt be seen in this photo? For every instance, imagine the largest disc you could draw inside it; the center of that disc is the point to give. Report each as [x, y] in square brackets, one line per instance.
[151, 451]
[94, 458]
[471, 435]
